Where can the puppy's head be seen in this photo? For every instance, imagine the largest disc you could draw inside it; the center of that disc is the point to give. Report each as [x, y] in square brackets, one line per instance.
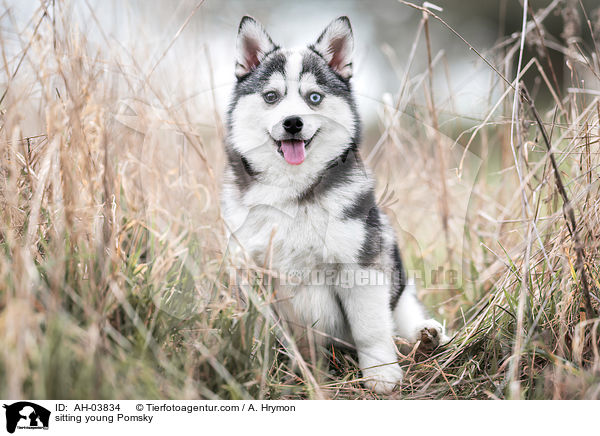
[292, 110]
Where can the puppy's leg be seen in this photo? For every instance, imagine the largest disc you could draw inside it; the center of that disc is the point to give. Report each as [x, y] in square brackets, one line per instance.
[367, 310]
[412, 322]
[313, 315]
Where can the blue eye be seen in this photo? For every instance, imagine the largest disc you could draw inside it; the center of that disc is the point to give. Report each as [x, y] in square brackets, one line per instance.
[315, 98]
[271, 97]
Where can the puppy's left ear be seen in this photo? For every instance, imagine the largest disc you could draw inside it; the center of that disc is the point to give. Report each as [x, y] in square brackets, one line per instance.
[336, 45]
[253, 43]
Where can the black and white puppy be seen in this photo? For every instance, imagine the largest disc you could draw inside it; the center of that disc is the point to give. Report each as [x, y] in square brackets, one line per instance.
[297, 197]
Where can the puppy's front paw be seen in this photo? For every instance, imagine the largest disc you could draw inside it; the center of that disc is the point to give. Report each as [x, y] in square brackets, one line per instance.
[382, 379]
[431, 334]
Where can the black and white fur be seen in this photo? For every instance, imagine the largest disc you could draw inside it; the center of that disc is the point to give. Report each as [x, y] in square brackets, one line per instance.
[320, 214]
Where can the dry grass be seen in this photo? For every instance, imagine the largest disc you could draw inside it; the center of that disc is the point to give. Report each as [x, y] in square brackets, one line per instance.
[113, 282]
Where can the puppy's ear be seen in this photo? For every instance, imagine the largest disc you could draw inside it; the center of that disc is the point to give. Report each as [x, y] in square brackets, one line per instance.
[253, 43]
[336, 45]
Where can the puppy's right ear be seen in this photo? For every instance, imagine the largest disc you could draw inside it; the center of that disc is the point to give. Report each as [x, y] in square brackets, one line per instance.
[253, 43]
[335, 45]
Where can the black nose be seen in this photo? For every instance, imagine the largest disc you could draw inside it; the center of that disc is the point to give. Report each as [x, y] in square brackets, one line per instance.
[293, 124]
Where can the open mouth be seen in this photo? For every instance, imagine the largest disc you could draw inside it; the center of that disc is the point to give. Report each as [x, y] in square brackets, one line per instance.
[293, 150]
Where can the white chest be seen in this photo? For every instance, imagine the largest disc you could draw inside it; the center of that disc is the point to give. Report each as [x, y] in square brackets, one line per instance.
[294, 237]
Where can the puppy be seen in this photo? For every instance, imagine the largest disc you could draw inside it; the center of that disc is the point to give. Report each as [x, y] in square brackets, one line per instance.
[297, 195]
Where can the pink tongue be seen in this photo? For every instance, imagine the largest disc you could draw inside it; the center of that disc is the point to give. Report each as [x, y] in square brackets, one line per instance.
[293, 151]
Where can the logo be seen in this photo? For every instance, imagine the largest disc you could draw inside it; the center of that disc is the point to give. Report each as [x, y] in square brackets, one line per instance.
[26, 415]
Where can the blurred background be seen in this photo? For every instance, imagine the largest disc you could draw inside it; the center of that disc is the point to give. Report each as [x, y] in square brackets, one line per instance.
[384, 35]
